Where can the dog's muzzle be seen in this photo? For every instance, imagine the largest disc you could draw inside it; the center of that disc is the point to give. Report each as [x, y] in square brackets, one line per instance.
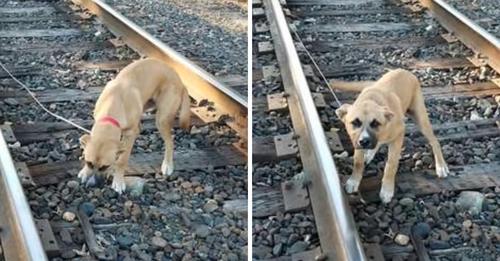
[367, 143]
[367, 140]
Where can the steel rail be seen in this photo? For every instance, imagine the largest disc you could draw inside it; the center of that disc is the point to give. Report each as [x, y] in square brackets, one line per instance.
[19, 235]
[467, 31]
[201, 85]
[335, 224]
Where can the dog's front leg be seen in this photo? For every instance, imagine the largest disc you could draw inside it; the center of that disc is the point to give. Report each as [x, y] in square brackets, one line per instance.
[122, 162]
[119, 181]
[353, 182]
[391, 168]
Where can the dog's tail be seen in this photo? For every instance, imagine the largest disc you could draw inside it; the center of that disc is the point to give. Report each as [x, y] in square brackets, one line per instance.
[185, 110]
[350, 86]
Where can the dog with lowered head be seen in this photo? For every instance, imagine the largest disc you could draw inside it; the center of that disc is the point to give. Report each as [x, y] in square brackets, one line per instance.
[117, 116]
[377, 118]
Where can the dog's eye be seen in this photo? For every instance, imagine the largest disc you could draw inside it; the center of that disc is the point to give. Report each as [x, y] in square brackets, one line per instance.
[356, 123]
[374, 124]
[103, 168]
[89, 164]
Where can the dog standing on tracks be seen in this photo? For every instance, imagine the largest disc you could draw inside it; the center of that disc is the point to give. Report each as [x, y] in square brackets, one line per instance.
[377, 118]
[117, 116]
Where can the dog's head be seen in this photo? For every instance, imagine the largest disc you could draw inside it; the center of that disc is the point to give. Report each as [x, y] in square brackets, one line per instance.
[100, 153]
[365, 122]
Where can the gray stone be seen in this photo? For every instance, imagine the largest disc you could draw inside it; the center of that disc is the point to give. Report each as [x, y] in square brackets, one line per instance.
[474, 116]
[292, 238]
[467, 223]
[226, 231]
[72, 184]
[298, 247]
[172, 196]
[406, 202]
[145, 256]
[210, 206]
[402, 239]
[88, 208]
[202, 231]
[277, 249]
[159, 242]
[135, 185]
[261, 252]
[422, 229]
[68, 254]
[66, 236]
[69, 216]
[438, 244]
[11, 101]
[124, 241]
[232, 257]
[471, 201]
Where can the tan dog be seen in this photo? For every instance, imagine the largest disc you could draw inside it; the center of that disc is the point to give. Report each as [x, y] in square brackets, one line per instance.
[377, 118]
[117, 116]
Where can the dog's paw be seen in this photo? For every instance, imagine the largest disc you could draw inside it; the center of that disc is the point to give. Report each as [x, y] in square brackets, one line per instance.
[442, 171]
[118, 184]
[352, 185]
[167, 169]
[84, 174]
[386, 194]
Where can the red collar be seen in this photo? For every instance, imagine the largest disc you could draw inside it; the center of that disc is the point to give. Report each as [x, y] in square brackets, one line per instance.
[111, 120]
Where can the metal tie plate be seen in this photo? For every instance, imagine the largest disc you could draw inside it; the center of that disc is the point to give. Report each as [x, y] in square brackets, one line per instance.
[276, 102]
[295, 195]
[270, 71]
[259, 11]
[449, 37]
[308, 70]
[265, 47]
[24, 174]
[334, 140]
[8, 134]
[319, 100]
[286, 146]
[261, 27]
[47, 236]
[206, 114]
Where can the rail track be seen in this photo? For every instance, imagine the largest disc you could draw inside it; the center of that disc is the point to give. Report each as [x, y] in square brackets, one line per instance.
[66, 52]
[302, 155]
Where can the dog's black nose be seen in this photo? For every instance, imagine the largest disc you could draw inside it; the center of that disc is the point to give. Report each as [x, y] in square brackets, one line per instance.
[365, 143]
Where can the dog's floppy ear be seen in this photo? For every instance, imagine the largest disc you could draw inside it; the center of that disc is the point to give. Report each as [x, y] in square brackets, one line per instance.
[84, 139]
[342, 110]
[388, 114]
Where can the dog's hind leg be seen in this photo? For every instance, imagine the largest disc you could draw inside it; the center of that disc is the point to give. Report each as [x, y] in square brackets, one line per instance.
[353, 182]
[391, 168]
[165, 128]
[165, 117]
[419, 114]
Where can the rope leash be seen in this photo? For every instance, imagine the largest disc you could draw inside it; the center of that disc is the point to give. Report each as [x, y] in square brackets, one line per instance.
[40, 104]
[316, 66]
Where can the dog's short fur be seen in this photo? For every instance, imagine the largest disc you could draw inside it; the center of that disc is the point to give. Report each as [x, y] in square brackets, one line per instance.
[377, 118]
[124, 99]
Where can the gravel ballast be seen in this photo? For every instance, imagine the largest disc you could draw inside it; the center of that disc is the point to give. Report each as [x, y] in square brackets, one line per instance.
[217, 30]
